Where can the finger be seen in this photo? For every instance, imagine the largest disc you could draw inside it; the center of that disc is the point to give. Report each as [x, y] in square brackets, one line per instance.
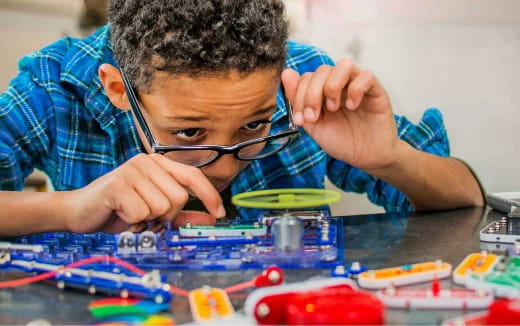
[313, 98]
[344, 71]
[130, 207]
[361, 85]
[173, 194]
[290, 80]
[158, 203]
[196, 182]
[298, 103]
[193, 217]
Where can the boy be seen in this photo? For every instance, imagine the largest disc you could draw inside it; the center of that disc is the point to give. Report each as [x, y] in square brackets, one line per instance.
[178, 98]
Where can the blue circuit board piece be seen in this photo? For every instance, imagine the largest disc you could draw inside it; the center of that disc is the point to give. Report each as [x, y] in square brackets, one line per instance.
[254, 245]
[97, 275]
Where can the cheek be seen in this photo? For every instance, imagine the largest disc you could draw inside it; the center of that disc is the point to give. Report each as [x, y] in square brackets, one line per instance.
[243, 164]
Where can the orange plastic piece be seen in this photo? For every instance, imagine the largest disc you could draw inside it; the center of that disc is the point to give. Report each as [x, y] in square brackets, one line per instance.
[476, 263]
[209, 303]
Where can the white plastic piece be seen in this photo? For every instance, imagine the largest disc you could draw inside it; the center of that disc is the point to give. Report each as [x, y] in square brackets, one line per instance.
[426, 299]
[17, 246]
[147, 242]
[126, 242]
[497, 237]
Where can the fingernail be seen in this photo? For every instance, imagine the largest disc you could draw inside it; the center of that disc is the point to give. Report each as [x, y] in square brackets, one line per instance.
[221, 211]
[330, 104]
[350, 104]
[309, 114]
[298, 118]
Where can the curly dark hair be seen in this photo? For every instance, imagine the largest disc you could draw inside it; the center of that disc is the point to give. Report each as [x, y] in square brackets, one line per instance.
[196, 37]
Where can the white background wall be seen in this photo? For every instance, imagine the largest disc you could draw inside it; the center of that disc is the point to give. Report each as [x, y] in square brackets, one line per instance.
[462, 56]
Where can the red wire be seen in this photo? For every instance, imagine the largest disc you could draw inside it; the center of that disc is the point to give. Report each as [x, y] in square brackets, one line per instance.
[239, 286]
[110, 259]
[130, 267]
[26, 280]
[176, 290]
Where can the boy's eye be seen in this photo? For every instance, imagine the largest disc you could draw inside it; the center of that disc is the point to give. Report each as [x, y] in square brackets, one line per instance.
[186, 133]
[256, 125]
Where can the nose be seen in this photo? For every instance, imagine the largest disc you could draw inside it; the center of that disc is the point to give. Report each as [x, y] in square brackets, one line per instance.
[223, 170]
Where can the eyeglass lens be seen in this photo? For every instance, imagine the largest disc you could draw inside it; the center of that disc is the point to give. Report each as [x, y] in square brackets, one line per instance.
[250, 152]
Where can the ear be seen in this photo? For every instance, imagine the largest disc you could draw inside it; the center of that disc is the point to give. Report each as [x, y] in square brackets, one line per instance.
[112, 82]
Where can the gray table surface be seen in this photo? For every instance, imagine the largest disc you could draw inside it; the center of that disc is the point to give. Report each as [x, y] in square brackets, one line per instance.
[377, 241]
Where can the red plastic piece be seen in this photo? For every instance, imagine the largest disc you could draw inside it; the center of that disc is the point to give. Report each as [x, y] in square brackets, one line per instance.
[334, 306]
[271, 309]
[338, 304]
[504, 312]
[272, 275]
[436, 287]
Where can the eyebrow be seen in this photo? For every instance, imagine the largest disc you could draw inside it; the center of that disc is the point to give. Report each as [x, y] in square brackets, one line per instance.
[204, 118]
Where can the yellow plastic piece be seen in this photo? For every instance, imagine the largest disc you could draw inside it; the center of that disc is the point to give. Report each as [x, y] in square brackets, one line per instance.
[286, 198]
[393, 272]
[158, 320]
[209, 303]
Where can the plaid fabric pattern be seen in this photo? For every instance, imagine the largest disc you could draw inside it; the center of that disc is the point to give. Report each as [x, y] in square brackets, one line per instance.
[55, 116]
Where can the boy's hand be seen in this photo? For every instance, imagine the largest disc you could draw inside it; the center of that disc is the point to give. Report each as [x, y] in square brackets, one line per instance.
[347, 112]
[145, 188]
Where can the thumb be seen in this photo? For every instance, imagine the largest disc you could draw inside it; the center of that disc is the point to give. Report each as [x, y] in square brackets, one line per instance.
[290, 81]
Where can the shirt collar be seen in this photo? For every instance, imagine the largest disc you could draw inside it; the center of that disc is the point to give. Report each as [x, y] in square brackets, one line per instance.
[80, 71]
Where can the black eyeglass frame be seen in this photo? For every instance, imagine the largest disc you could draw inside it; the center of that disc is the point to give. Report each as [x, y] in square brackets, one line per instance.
[156, 147]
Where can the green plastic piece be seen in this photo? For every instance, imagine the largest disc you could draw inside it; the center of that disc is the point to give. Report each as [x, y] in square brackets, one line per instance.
[114, 310]
[286, 198]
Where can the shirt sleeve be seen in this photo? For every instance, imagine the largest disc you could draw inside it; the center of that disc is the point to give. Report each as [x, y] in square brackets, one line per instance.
[23, 130]
[429, 135]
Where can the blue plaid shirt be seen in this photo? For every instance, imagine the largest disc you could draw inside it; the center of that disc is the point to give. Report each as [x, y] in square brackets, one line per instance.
[55, 116]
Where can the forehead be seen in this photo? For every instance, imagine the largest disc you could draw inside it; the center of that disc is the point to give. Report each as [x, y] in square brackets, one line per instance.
[230, 94]
[228, 83]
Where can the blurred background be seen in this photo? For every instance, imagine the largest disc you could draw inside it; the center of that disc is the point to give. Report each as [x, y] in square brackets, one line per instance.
[461, 56]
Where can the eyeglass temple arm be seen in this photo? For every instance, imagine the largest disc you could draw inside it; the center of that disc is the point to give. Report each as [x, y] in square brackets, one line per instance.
[134, 106]
[288, 107]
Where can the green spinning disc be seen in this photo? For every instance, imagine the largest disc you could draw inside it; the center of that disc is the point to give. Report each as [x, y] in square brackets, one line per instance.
[286, 198]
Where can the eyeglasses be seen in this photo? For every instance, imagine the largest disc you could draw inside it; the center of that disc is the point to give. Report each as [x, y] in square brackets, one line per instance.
[202, 155]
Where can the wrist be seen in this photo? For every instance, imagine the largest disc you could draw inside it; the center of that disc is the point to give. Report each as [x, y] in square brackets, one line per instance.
[61, 210]
[398, 165]
[72, 211]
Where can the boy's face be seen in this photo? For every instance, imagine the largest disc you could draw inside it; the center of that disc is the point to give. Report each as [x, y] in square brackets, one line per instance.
[211, 110]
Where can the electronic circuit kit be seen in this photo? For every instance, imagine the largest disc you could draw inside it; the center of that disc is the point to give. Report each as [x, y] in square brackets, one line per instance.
[281, 237]
[291, 232]
[506, 230]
